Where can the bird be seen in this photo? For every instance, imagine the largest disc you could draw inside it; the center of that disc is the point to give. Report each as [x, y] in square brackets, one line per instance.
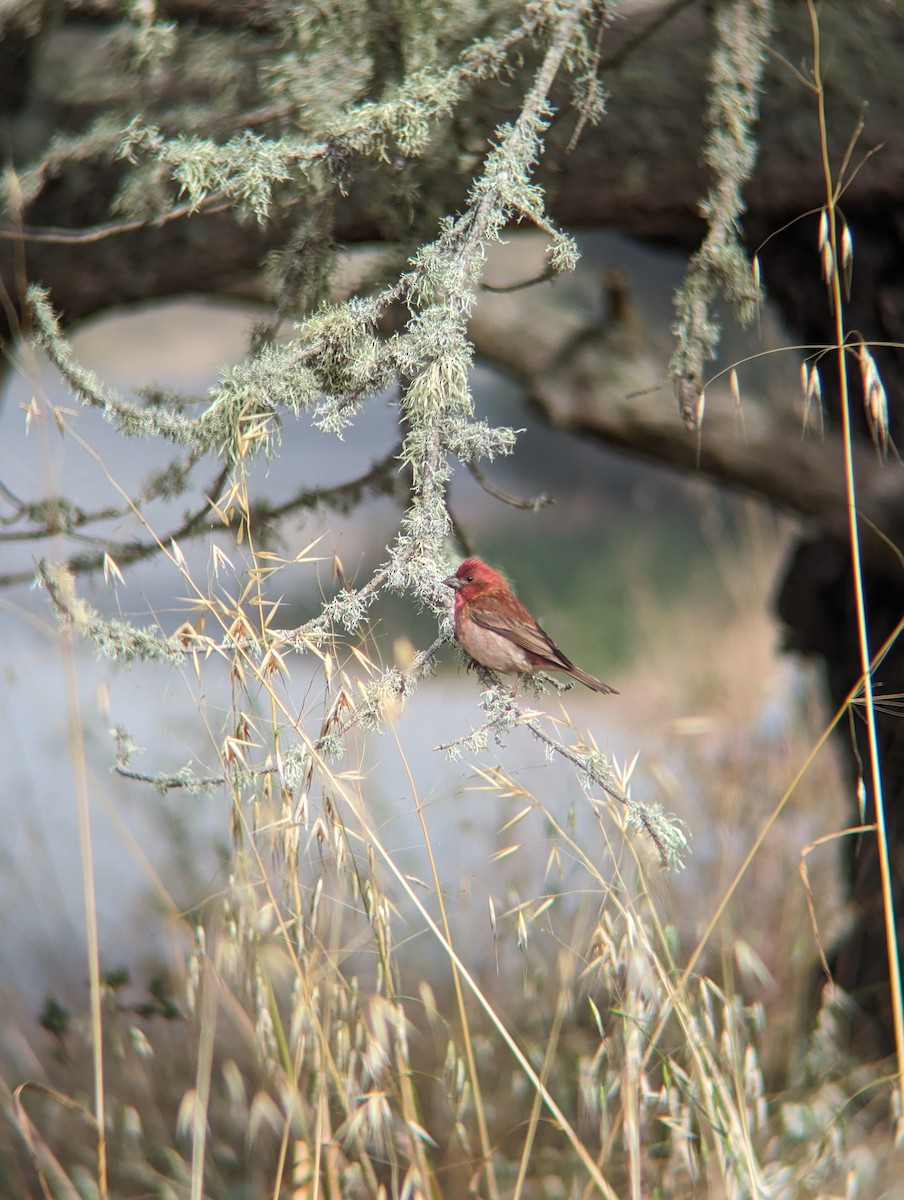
[495, 629]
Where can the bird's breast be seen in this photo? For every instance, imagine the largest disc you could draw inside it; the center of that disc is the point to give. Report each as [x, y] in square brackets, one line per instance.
[490, 649]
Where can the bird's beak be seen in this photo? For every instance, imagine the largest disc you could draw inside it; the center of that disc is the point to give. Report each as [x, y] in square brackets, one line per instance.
[453, 582]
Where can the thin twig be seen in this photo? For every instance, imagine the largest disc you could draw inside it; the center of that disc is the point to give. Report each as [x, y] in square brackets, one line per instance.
[500, 289]
[50, 235]
[662, 831]
[533, 503]
[636, 40]
[513, 714]
[164, 782]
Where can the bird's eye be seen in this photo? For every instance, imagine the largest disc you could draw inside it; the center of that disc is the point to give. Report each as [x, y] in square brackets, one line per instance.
[469, 579]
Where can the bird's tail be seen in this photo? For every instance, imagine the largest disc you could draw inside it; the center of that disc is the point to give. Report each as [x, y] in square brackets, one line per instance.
[591, 682]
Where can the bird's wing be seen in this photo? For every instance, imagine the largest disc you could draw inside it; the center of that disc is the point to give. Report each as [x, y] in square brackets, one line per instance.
[496, 613]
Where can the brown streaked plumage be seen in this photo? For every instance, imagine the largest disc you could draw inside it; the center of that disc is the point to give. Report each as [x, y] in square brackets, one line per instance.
[497, 631]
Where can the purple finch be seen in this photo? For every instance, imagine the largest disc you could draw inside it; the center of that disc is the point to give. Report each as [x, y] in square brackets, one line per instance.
[497, 631]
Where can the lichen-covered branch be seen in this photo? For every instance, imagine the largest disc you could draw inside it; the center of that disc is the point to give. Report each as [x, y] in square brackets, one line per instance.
[504, 713]
[340, 356]
[721, 266]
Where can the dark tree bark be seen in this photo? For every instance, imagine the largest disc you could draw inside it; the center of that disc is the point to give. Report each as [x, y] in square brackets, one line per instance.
[816, 596]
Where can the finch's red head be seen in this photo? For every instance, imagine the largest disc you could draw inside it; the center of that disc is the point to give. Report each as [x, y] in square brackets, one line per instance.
[473, 577]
